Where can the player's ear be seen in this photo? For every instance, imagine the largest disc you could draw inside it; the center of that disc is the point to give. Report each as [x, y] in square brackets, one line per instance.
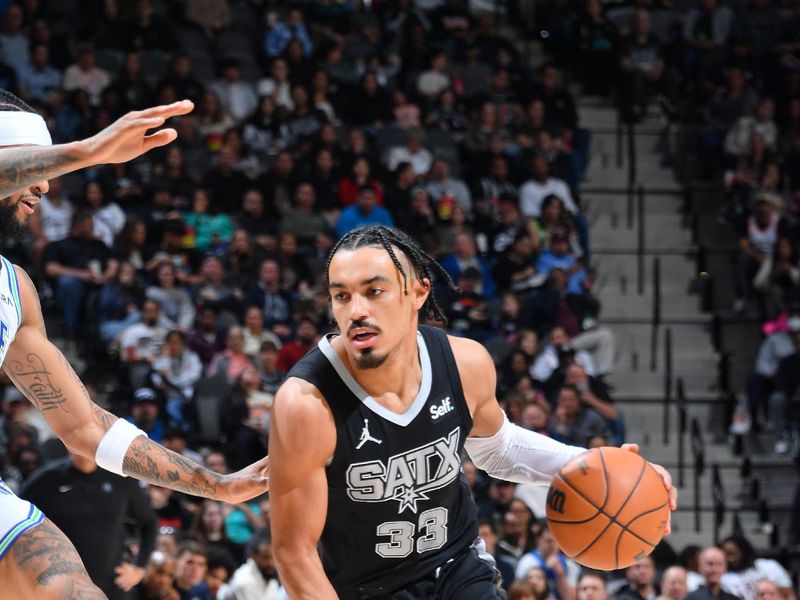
[421, 290]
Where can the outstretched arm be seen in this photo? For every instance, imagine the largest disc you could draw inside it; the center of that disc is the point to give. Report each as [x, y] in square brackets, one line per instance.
[123, 140]
[42, 373]
[505, 450]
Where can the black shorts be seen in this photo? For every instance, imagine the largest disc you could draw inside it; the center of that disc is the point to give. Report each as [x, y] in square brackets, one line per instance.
[466, 577]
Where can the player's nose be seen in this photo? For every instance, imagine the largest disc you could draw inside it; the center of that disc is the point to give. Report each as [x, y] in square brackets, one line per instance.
[41, 187]
[358, 307]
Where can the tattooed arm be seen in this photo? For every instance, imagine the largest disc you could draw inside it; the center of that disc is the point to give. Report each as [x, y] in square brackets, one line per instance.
[40, 371]
[123, 140]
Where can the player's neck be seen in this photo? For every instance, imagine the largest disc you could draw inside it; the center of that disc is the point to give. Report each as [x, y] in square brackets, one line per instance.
[397, 379]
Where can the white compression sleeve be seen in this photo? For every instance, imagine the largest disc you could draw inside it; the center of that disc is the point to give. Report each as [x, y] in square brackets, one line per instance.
[115, 443]
[518, 455]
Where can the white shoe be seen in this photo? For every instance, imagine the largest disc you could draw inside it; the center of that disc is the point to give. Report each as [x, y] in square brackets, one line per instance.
[782, 446]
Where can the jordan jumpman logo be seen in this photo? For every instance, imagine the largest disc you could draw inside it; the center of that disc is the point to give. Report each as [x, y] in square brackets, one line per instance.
[366, 437]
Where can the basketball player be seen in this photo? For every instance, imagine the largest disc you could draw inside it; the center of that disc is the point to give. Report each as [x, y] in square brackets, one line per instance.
[366, 439]
[36, 559]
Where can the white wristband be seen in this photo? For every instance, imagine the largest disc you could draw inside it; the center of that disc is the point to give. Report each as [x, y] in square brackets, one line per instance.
[115, 443]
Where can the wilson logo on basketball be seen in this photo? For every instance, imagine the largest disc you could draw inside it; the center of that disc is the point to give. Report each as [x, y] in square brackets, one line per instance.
[408, 477]
[555, 500]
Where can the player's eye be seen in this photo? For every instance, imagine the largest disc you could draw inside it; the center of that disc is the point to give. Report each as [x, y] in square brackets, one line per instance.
[374, 292]
[340, 297]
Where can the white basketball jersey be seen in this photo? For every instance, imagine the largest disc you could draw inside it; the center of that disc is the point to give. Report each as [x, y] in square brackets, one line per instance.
[10, 306]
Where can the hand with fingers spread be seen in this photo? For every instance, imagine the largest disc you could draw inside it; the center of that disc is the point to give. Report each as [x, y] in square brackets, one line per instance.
[666, 477]
[127, 137]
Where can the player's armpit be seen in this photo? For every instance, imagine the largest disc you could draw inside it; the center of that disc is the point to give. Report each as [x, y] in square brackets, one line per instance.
[302, 439]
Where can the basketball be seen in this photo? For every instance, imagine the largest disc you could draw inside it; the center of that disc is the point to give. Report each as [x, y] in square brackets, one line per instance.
[607, 508]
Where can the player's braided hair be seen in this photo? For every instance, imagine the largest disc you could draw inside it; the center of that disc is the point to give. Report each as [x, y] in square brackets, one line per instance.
[9, 102]
[388, 238]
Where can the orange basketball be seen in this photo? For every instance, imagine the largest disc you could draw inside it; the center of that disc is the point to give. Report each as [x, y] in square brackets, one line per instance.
[607, 508]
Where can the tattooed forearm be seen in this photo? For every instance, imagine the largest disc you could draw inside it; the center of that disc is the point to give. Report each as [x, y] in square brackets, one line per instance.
[150, 462]
[34, 380]
[25, 165]
[100, 415]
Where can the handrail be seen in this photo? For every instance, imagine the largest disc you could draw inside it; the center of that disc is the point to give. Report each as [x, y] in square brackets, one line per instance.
[681, 404]
[699, 452]
[718, 499]
[640, 239]
[631, 155]
[665, 420]
[655, 321]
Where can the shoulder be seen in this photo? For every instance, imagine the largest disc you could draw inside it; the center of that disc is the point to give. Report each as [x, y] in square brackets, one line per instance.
[300, 413]
[475, 365]
[301, 400]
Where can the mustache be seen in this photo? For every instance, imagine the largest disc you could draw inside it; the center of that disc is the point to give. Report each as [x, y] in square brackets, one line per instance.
[365, 324]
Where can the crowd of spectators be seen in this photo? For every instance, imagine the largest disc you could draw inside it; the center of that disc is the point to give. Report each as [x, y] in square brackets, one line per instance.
[189, 281]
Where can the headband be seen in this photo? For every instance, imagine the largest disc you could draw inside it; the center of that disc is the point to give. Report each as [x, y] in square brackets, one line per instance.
[20, 127]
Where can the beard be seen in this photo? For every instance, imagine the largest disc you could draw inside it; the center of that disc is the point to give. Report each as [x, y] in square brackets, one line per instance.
[11, 229]
[369, 360]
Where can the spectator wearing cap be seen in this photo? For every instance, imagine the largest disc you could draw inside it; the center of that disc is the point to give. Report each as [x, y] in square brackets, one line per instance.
[237, 97]
[144, 414]
[177, 370]
[559, 256]
[256, 579]
[412, 152]
[445, 190]
[760, 383]
[97, 509]
[364, 212]
[466, 256]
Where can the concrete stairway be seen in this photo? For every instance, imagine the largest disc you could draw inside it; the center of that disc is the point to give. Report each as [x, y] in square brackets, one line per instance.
[627, 308]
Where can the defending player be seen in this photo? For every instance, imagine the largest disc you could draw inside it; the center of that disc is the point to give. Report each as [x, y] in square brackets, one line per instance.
[36, 559]
[366, 435]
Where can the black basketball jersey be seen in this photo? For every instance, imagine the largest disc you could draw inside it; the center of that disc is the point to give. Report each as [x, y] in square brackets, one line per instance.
[398, 505]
